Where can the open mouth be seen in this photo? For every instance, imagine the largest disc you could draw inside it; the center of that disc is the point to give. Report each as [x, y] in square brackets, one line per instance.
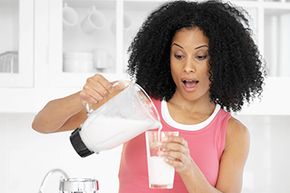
[190, 83]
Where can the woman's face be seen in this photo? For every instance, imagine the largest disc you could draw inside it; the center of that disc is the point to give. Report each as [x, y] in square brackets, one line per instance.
[189, 63]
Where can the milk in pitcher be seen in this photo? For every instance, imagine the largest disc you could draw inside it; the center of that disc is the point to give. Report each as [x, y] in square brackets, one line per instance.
[123, 129]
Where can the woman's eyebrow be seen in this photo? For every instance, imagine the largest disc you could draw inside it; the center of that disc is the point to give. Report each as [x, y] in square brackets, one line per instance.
[198, 47]
[176, 45]
[201, 47]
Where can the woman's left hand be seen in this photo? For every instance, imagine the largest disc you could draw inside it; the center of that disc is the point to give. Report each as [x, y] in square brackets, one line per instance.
[176, 153]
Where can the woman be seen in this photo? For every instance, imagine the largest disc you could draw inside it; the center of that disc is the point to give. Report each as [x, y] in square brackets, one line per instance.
[198, 62]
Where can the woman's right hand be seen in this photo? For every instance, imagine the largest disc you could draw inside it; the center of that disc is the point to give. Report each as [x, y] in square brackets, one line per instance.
[95, 89]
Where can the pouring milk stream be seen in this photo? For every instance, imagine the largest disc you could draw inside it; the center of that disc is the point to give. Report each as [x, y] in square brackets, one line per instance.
[124, 116]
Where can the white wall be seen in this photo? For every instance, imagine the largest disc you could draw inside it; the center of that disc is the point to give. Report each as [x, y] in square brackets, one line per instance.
[26, 156]
[268, 168]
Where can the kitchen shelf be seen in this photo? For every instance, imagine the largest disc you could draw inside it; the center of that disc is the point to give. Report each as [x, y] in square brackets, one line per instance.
[16, 46]
[277, 42]
[43, 40]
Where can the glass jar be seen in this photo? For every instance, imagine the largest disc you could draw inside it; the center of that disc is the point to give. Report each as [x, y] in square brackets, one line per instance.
[78, 185]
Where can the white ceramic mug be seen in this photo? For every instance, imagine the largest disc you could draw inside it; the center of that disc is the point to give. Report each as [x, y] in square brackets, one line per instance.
[101, 58]
[70, 16]
[78, 62]
[127, 23]
[95, 20]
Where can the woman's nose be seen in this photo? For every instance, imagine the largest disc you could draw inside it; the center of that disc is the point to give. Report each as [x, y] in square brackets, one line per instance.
[189, 66]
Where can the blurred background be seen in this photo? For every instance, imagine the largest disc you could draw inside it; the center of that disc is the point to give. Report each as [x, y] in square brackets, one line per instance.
[49, 47]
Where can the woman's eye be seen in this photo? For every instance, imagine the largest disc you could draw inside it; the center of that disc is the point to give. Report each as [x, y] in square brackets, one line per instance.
[178, 56]
[202, 57]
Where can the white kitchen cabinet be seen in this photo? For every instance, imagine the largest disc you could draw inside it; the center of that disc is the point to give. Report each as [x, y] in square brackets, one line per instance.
[49, 55]
[277, 41]
[273, 28]
[88, 46]
[16, 47]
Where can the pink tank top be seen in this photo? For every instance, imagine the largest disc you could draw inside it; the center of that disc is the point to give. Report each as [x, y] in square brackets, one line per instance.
[206, 142]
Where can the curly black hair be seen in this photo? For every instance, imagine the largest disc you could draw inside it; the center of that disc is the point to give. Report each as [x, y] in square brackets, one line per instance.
[236, 67]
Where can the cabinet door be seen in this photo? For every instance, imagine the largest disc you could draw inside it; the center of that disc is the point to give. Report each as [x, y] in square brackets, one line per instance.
[135, 14]
[82, 41]
[16, 48]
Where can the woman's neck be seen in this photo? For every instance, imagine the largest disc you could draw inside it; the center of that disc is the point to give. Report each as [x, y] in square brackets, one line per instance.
[202, 105]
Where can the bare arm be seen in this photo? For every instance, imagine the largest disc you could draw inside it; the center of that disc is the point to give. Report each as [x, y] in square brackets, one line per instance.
[234, 158]
[231, 165]
[68, 113]
[60, 115]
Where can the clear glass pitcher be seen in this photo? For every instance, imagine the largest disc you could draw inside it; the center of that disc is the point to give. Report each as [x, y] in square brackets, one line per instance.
[123, 117]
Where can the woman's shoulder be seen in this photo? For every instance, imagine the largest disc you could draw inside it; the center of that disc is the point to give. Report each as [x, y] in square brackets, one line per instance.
[237, 132]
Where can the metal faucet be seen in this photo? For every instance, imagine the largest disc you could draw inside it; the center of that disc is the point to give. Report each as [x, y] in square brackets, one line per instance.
[53, 171]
